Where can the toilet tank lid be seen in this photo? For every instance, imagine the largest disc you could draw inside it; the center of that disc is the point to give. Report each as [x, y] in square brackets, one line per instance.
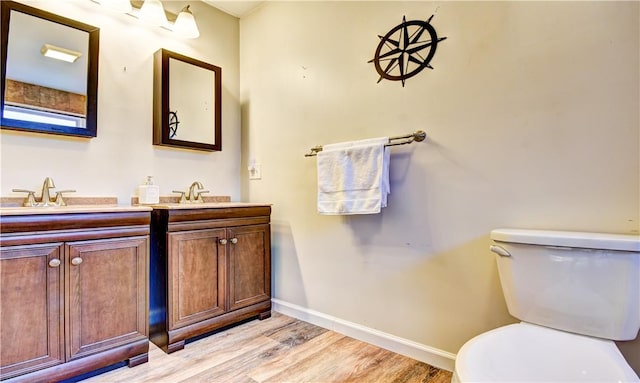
[585, 240]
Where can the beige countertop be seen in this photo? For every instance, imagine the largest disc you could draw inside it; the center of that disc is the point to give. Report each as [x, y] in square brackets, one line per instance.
[71, 209]
[207, 205]
[12, 205]
[4, 211]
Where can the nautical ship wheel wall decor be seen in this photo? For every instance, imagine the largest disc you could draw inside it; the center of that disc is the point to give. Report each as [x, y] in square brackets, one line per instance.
[173, 124]
[406, 50]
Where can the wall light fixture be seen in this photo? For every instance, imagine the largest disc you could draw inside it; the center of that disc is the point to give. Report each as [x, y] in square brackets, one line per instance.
[152, 12]
[123, 6]
[185, 24]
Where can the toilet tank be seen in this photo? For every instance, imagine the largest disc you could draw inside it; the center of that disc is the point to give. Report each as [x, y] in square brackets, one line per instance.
[585, 283]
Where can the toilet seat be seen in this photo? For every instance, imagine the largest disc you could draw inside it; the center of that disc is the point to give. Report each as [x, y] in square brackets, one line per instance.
[525, 352]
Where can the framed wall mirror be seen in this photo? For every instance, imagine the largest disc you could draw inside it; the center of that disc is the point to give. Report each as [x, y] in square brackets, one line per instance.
[187, 102]
[49, 72]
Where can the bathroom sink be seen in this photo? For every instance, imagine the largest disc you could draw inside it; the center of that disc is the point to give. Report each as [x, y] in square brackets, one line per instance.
[205, 205]
[70, 209]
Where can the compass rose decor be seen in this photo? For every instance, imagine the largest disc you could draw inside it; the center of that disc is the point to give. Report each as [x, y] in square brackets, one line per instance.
[406, 50]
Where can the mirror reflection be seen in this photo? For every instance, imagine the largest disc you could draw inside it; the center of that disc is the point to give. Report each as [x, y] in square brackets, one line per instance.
[187, 102]
[191, 103]
[49, 72]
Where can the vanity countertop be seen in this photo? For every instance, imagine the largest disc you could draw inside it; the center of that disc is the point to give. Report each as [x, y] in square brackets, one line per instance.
[11, 206]
[207, 205]
[71, 209]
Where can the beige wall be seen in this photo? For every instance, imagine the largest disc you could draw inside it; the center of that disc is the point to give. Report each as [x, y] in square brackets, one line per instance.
[533, 122]
[532, 118]
[122, 155]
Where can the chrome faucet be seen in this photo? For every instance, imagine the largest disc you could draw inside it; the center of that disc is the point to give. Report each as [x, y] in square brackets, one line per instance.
[45, 199]
[192, 190]
[194, 193]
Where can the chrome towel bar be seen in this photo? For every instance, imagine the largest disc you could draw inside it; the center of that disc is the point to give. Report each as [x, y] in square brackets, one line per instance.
[417, 136]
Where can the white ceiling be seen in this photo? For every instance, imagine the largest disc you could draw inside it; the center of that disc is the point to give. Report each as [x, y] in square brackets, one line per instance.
[27, 34]
[237, 8]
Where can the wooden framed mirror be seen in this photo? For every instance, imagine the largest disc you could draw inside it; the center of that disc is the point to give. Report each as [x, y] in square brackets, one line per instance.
[186, 102]
[44, 94]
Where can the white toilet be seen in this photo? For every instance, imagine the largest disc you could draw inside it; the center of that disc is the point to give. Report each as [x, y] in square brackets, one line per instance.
[574, 293]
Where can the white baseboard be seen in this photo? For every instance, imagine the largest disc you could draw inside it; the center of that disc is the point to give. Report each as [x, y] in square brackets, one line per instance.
[430, 355]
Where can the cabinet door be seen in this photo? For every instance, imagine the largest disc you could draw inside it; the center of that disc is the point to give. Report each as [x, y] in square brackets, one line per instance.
[249, 265]
[108, 281]
[196, 276]
[31, 308]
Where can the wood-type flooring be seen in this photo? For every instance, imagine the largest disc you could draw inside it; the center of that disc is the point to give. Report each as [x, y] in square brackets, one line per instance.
[279, 349]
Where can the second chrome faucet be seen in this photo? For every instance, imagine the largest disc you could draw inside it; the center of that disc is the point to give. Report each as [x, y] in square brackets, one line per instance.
[193, 194]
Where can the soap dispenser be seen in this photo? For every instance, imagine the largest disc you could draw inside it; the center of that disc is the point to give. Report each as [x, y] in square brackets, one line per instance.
[148, 193]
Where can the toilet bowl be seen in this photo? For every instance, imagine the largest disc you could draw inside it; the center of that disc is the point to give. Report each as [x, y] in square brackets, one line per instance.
[526, 352]
[575, 293]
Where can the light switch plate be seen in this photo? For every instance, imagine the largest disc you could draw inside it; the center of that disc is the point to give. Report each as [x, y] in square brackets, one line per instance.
[255, 172]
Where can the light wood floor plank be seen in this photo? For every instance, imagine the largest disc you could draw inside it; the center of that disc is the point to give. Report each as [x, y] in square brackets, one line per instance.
[287, 337]
[343, 361]
[284, 361]
[242, 362]
[279, 349]
[218, 363]
[216, 350]
[295, 333]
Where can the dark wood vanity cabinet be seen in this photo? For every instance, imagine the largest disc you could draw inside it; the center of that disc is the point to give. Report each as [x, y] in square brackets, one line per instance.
[210, 267]
[73, 293]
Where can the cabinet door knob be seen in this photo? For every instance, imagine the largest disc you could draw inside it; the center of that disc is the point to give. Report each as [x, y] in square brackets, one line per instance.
[223, 241]
[76, 261]
[55, 262]
[234, 240]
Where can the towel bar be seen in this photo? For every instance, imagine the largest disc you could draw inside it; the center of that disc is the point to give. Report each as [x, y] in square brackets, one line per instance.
[417, 136]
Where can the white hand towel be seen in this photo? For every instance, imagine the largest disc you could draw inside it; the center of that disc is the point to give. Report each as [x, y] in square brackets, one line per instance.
[353, 177]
